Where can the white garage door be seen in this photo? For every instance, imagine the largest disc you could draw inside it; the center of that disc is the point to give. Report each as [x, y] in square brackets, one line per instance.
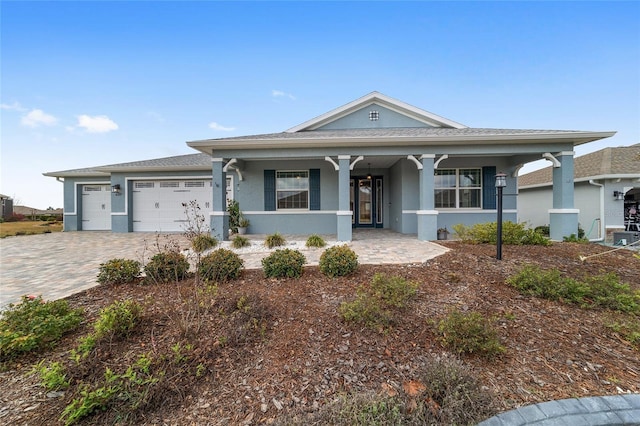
[96, 207]
[158, 205]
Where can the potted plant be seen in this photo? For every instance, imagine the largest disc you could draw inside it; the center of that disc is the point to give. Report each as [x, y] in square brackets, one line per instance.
[442, 233]
[243, 224]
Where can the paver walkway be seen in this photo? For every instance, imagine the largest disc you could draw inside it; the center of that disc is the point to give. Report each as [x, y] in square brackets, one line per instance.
[59, 264]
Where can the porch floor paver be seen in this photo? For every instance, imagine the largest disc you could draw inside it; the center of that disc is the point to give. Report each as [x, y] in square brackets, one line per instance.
[60, 264]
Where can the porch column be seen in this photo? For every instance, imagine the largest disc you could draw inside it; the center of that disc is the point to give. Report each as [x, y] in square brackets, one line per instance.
[563, 217]
[427, 215]
[344, 210]
[219, 217]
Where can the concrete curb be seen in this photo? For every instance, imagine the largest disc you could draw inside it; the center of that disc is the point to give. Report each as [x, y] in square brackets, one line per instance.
[598, 410]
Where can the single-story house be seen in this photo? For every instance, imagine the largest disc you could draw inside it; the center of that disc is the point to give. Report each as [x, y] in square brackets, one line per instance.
[375, 162]
[606, 192]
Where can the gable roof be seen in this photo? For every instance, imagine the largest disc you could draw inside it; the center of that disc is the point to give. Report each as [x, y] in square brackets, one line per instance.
[378, 98]
[618, 162]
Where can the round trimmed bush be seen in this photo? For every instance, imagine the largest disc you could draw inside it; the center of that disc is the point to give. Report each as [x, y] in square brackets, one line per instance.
[284, 263]
[338, 261]
[118, 271]
[167, 266]
[203, 242]
[220, 265]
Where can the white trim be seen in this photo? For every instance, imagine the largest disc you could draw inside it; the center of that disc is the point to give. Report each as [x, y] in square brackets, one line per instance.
[118, 214]
[354, 162]
[427, 156]
[475, 211]
[442, 158]
[281, 212]
[385, 101]
[427, 212]
[344, 213]
[615, 227]
[415, 160]
[217, 160]
[344, 157]
[571, 153]
[218, 213]
[330, 160]
[563, 211]
[548, 156]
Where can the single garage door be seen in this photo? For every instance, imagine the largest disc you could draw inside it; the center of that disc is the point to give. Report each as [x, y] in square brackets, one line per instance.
[159, 205]
[96, 207]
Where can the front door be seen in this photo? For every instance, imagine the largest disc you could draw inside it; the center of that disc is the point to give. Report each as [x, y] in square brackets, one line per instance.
[366, 202]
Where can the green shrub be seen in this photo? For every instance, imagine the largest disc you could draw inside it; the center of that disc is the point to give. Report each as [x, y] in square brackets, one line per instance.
[600, 291]
[52, 375]
[512, 234]
[375, 306]
[239, 242]
[284, 263]
[118, 271]
[167, 266]
[221, 265]
[628, 327]
[203, 242]
[233, 208]
[573, 238]
[470, 333]
[118, 319]
[35, 324]
[315, 240]
[274, 240]
[543, 229]
[338, 261]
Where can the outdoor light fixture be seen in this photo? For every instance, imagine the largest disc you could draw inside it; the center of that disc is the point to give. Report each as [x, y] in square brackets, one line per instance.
[618, 195]
[369, 174]
[115, 189]
[501, 182]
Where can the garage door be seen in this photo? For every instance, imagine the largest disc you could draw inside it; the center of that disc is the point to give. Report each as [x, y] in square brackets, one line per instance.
[96, 207]
[158, 205]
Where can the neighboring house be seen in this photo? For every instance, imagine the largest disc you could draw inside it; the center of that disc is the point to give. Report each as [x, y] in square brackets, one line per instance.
[375, 162]
[7, 206]
[32, 213]
[607, 191]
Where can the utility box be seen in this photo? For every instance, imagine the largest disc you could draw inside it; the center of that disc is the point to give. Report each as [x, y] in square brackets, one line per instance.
[625, 238]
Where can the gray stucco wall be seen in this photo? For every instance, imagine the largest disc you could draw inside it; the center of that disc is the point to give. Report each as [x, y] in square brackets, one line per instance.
[360, 119]
[72, 218]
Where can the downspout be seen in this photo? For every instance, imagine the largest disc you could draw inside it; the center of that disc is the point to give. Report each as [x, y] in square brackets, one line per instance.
[602, 225]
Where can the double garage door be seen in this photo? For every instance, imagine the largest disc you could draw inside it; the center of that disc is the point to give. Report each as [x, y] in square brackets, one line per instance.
[160, 205]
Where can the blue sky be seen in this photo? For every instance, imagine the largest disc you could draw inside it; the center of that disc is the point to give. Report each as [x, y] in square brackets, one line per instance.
[95, 83]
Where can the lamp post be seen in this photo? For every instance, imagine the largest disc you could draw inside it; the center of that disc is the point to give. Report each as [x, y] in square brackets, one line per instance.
[501, 182]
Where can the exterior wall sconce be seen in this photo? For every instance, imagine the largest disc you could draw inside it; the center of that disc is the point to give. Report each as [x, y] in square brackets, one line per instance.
[115, 189]
[501, 182]
[618, 195]
[369, 174]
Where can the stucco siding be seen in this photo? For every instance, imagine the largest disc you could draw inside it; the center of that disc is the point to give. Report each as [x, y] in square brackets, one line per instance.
[534, 205]
[360, 119]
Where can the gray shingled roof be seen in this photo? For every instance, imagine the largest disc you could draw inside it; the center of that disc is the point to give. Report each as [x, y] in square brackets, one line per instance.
[182, 162]
[624, 160]
[393, 132]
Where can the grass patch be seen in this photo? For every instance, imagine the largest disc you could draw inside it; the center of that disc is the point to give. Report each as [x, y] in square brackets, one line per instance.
[29, 227]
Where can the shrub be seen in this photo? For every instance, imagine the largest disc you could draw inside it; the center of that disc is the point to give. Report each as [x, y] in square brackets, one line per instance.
[274, 240]
[374, 306]
[220, 265]
[315, 240]
[118, 271]
[573, 238]
[512, 234]
[284, 263]
[35, 324]
[52, 375]
[470, 333]
[203, 242]
[118, 319]
[543, 229]
[167, 266]
[338, 261]
[233, 208]
[239, 242]
[600, 291]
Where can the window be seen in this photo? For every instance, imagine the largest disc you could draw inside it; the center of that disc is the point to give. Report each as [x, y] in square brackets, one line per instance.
[292, 189]
[458, 188]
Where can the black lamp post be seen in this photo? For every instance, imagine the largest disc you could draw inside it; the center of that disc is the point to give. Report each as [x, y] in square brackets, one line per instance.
[501, 182]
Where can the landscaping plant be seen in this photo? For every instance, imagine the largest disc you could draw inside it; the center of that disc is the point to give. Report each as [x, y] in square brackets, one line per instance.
[283, 263]
[338, 261]
[220, 265]
[118, 271]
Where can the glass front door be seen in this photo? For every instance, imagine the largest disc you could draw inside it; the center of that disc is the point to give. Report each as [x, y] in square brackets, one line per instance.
[366, 202]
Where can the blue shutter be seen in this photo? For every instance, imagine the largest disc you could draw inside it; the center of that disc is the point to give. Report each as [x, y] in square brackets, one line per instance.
[269, 190]
[314, 189]
[489, 187]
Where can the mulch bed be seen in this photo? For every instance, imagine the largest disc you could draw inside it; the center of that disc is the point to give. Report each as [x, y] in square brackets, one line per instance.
[291, 350]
